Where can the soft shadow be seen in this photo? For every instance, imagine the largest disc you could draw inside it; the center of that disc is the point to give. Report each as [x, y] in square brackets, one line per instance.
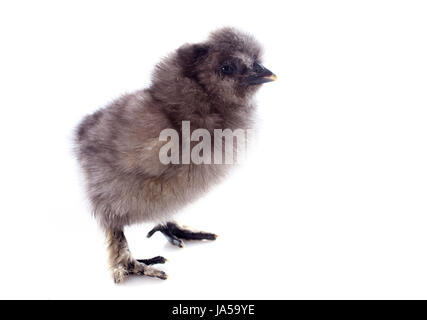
[188, 244]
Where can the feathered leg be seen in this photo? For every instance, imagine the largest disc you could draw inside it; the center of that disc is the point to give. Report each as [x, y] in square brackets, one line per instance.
[122, 263]
[175, 234]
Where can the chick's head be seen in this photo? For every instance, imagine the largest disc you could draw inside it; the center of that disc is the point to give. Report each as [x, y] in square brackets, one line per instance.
[227, 66]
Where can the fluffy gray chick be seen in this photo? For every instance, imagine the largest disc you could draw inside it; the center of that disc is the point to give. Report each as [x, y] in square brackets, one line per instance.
[209, 84]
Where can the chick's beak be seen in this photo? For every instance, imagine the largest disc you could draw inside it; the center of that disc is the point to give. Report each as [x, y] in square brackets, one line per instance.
[261, 75]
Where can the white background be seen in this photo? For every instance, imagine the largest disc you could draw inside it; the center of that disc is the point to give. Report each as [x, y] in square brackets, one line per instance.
[333, 203]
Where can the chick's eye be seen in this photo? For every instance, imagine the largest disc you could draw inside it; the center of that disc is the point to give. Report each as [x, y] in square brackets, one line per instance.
[227, 69]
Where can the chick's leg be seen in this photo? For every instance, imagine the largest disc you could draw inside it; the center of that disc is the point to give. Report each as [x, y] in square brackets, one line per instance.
[175, 233]
[122, 263]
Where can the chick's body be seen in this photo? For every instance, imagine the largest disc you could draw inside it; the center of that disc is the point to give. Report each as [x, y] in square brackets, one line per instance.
[210, 85]
[119, 151]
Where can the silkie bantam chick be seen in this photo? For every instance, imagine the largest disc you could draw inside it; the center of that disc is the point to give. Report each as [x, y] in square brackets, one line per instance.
[210, 85]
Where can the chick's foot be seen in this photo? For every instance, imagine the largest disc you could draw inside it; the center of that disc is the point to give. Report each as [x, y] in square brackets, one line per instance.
[154, 260]
[123, 264]
[136, 268]
[175, 234]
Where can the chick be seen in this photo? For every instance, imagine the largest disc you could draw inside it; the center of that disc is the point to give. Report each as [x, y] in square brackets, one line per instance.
[209, 84]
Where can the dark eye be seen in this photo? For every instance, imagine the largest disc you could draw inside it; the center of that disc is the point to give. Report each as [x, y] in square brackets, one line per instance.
[227, 69]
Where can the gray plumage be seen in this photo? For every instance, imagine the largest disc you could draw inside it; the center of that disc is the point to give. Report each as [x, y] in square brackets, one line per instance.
[118, 146]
